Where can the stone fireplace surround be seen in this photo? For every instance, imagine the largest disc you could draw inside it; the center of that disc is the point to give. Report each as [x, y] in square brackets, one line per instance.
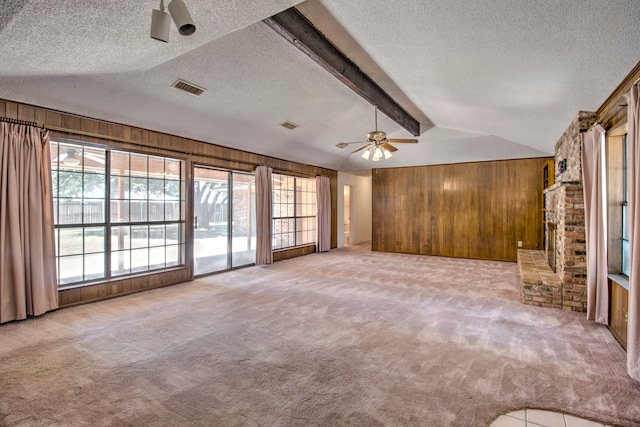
[564, 203]
[565, 209]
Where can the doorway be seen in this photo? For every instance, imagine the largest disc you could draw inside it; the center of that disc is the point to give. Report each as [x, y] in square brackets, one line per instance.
[347, 215]
[224, 220]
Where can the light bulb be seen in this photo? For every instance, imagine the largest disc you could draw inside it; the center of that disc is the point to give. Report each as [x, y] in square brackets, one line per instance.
[366, 154]
[387, 154]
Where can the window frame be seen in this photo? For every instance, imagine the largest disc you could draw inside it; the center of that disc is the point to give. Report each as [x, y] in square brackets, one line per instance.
[108, 224]
[297, 217]
[624, 241]
[616, 155]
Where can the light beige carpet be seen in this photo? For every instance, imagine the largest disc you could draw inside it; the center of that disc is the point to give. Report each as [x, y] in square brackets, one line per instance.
[346, 338]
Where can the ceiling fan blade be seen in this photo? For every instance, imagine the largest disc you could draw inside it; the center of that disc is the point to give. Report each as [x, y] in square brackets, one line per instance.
[409, 141]
[95, 158]
[346, 144]
[60, 158]
[387, 146]
[361, 148]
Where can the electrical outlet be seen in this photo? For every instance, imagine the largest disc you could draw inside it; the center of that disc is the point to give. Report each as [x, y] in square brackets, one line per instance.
[519, 243]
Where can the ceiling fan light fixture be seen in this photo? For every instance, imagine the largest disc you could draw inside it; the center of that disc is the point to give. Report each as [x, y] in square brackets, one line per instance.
[71, 159]
[376, 146]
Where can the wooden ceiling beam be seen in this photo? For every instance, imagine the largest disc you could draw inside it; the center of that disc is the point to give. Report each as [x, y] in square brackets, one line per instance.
[295, 28]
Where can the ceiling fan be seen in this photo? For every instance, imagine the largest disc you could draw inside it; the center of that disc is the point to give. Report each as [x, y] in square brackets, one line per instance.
[71, 157]
[377, 144]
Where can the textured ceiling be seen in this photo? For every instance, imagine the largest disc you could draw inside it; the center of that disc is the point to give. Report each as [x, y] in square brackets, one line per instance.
[498, 79]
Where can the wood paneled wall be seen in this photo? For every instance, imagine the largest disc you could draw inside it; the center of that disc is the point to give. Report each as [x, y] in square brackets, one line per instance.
[468, 210]
[194, 152]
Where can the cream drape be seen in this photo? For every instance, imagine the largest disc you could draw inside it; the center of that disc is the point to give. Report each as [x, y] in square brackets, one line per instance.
[595, 223]
[323, 195]
[264, 216]
[28, 285]
[633, 180]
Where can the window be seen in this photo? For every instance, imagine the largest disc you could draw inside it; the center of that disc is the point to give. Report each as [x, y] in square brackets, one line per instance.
[618, 257]
[625, 267]
[294, 211]
[116, 213]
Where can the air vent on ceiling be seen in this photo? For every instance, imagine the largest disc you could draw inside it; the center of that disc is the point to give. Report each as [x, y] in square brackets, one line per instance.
[188, 87]
[289, 125]
[342, 145]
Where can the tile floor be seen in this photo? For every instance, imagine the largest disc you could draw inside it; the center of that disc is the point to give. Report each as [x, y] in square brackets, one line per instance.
[538, 418]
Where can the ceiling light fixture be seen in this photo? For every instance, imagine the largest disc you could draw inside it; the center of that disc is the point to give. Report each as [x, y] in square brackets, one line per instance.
[160, 22]
[378, 152]
[377, 145]
[70, 158]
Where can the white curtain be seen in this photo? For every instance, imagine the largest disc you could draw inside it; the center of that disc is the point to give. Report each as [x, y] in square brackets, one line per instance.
[633, 179]
[595, 223]
[264, 216]
[28, 285]
[323, 194]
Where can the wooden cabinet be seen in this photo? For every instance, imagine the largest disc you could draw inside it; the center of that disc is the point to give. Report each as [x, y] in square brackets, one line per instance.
[618, 314]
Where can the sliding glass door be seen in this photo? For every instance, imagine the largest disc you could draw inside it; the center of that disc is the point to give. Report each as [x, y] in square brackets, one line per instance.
[243, 212]
[224, 222]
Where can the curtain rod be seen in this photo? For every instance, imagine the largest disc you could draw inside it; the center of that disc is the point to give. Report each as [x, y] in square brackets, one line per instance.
[21, 122]
[172, 150]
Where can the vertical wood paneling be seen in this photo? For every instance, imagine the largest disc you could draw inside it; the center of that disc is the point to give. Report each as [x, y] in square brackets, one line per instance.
[619, 312]
[27, 113]
[502, 217]
[469, 210]
[426, 234]
[11, 110]
[435, 228]
[530, 186]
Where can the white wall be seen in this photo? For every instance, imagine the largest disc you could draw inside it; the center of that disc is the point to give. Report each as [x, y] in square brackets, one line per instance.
[360, 207]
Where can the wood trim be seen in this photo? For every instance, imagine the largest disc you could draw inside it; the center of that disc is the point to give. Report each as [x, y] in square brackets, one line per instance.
[119, 287]
[300, 32]
[283, 254]
[611, 112]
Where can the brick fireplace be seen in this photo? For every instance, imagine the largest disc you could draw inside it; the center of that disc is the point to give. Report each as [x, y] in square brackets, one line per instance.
[565, 221]
[550, 246]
